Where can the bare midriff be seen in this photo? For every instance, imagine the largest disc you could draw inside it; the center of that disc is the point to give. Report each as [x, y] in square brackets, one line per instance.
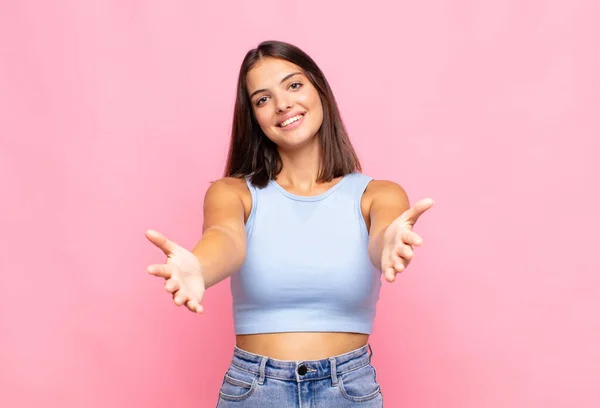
[301, 345]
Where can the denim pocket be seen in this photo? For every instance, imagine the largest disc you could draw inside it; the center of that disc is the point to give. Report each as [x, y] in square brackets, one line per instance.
[237, 385]
[359, 385]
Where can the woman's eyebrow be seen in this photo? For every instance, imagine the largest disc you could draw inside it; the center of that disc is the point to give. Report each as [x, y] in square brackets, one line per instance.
[283, 80]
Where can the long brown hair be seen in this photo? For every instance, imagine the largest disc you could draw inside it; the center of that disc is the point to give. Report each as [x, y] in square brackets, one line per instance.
[252, 153]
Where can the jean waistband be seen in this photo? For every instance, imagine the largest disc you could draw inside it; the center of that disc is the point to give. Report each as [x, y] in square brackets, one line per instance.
[302, 370]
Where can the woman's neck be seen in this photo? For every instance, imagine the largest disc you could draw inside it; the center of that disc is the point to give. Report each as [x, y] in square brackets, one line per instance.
[300, 168]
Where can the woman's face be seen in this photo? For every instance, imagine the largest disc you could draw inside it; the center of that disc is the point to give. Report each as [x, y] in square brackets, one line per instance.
[285, 103]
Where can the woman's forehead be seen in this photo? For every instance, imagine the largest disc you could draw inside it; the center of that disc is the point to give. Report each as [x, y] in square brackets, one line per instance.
[269, 72]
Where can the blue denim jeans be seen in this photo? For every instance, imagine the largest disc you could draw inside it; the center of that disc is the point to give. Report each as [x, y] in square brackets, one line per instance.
[347, 380]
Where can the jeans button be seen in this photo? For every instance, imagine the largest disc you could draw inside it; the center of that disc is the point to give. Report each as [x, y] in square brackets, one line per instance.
[302, 369]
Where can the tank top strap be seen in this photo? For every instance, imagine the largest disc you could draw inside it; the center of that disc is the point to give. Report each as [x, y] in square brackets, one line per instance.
[254, 193]
[356, 184]
[251, 187]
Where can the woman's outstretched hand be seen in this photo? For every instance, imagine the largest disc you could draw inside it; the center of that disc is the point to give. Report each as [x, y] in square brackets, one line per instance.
[399, 238]
[181, 271]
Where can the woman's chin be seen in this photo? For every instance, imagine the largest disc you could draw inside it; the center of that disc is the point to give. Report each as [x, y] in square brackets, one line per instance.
[296, 142]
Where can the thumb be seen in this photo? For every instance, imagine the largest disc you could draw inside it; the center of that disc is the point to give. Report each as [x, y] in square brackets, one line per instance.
[161, 241]
[413, 213]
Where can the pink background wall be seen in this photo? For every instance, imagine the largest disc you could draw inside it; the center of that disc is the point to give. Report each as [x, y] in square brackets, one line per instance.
[114, 116]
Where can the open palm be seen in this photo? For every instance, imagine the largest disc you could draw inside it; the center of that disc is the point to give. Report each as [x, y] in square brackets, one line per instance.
[181, 271]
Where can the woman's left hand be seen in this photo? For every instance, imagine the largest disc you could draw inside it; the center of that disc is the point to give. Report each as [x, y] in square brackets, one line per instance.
[399, 238]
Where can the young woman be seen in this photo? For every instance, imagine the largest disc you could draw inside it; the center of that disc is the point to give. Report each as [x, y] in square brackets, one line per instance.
[305, 238]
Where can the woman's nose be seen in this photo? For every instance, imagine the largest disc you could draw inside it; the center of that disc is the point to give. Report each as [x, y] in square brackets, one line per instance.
[283, 104]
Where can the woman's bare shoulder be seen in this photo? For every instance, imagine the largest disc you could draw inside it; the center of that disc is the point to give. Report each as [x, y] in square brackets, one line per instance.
[232, 184]
[231, 187]
[383, 187]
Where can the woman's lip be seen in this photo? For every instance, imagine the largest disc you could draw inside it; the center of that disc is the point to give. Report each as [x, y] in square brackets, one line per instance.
[294, 124]
[289, 116]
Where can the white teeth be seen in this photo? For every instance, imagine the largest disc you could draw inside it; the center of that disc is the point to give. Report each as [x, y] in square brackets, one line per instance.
[290, 120]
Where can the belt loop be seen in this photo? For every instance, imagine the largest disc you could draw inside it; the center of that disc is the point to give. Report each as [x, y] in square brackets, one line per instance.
[370, 352]
[333, 368]
[261, 371]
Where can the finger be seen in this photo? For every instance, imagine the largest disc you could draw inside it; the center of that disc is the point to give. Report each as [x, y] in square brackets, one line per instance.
[412, 214]
[399, 263]
[390, 274]
[172, 285]
[179, 298]
[409, 237]
[194, 306]
[160, 241]
[399, 267]
[405, 252]
[386, 265]
[390, 270]
[160, 270]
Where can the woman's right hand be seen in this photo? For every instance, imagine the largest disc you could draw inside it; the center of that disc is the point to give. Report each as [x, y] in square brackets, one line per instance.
[181, 271]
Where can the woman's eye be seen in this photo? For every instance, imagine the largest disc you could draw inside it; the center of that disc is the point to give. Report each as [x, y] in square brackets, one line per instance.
[296, 85]
[261, 101]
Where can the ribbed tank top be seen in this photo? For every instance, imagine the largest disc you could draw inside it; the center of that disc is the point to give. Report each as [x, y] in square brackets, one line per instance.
[307, 266]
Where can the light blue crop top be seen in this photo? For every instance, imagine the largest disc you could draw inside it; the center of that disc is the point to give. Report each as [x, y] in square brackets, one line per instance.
[307, 266]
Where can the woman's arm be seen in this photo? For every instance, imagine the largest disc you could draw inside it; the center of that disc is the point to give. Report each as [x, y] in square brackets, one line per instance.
[388, 203]
[222, 248]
